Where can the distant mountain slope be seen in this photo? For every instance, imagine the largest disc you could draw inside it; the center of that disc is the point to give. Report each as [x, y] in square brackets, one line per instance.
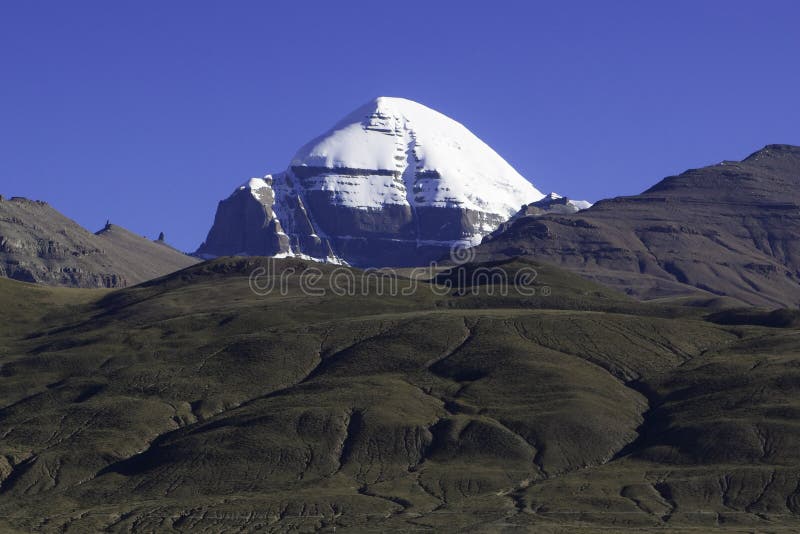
[727, 229]
[39, 244]
[393, 183]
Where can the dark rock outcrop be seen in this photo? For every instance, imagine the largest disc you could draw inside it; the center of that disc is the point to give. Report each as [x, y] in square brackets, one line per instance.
[552, 203]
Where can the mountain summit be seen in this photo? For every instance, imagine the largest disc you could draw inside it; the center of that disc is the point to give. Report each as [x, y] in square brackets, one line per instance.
[393, 183]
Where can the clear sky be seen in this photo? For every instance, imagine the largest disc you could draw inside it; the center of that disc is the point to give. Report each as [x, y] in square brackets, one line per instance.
[149, 112]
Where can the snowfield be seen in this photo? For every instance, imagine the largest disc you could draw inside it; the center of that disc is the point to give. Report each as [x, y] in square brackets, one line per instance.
[426, 159]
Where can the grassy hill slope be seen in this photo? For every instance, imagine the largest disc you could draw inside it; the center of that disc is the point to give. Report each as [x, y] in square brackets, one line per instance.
[191, 402]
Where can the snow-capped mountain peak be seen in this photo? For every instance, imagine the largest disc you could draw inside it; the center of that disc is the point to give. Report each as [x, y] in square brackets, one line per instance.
[441, 163]
[392, 183]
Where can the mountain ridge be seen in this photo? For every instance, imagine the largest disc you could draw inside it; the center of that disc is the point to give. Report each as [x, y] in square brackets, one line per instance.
[725, 229]
[39, 244]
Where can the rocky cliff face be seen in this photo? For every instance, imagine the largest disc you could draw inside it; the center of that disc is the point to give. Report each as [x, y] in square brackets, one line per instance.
[551, 204]
[727, 229]
[38, 244]
[393, 183]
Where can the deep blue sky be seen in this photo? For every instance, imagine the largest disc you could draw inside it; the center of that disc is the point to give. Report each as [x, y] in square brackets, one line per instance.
[149, 112]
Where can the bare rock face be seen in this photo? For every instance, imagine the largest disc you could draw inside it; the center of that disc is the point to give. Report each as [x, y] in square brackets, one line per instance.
[550, 204]
[249, 222]
[727, 229]
[38, 244]
[393, 183]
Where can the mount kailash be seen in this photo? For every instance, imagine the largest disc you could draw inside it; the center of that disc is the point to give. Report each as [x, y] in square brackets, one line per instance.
[394, 183]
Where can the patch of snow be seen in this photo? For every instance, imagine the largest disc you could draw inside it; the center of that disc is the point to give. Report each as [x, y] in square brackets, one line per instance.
[257, 187]
[296, 255]
[581, 204]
